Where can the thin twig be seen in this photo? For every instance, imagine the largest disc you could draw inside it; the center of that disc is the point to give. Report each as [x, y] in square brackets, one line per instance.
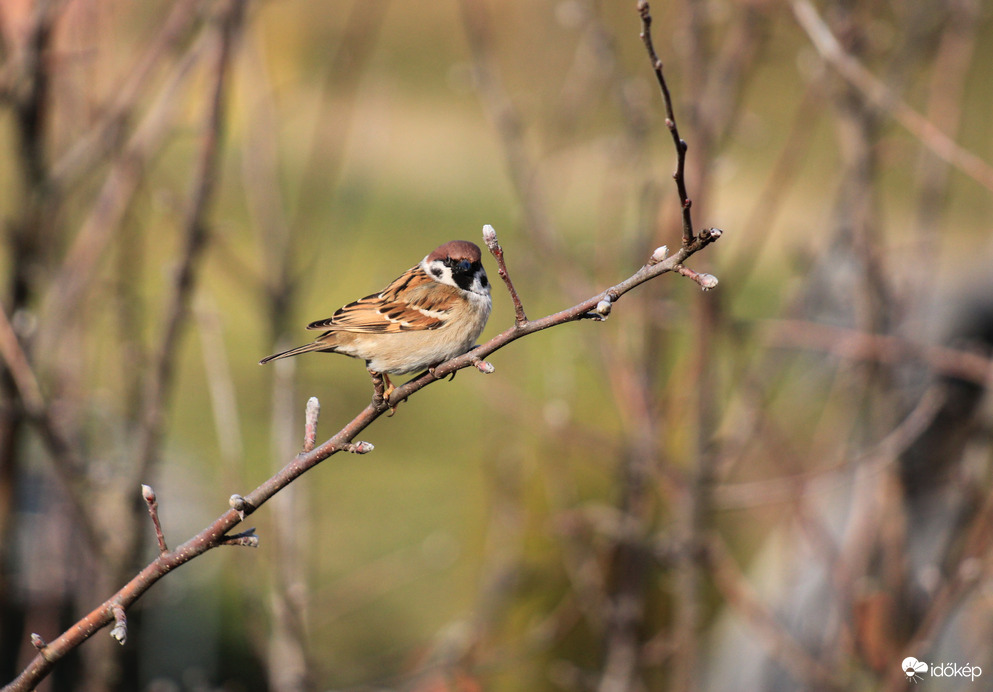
[887, 451]
[117, 193]
[490, 238]
[858, 345]
[742, 597]
[19, 368]
[968, 573]
[153, 511]
[92, 147]
[508, 123]
[120, 631]
[670, 122]
[195, 231]
[883, 98]
[706, 281]
[67, 462]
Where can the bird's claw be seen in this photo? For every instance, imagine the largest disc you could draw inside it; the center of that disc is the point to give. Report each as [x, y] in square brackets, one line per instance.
[435, 374]
[382, 388]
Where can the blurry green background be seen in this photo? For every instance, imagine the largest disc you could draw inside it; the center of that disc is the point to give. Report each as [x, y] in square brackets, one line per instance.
[361, 132]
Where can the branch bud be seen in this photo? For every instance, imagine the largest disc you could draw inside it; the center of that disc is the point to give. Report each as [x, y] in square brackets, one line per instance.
[238, 504]
[313, 412]
[484, 367]
[361, 448]
[490, 237]
[603, 308]
[37, 642]
[659, 255]
[148, 494]
[707, 281]
[313, 409]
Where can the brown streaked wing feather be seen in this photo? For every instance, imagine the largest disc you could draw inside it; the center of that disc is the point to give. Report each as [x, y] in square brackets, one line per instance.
[382, 313]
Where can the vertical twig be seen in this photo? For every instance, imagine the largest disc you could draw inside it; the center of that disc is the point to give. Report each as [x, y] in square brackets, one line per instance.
[670, 122]
[310, 427]
[490, 238]
[195, 235]
[153, 511]
[110, 204]
[120, 630]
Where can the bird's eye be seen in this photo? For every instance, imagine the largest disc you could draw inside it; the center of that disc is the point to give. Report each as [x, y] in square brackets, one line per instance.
[437, 272]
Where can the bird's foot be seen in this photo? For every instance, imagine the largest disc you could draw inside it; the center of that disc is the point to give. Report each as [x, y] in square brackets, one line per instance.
[382, 388]
[435, 375]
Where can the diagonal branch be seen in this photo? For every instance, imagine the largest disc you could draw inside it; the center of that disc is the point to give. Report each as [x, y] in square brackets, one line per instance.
[217, 533]
[195, 231]
[882, 97]
[68, 464]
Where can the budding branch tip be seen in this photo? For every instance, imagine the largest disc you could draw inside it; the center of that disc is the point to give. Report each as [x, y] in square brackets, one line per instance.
[490, 237]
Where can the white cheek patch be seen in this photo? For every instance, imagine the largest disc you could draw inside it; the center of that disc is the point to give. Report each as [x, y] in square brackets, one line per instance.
[439, 272]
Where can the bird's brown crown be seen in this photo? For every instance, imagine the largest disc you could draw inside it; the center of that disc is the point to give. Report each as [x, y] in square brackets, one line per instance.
[456, 250]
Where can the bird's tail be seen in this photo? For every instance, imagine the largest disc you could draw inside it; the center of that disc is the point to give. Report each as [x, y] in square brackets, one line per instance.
[306, 348]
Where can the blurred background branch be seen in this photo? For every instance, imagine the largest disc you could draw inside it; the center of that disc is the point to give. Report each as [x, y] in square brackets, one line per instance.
[780, 484]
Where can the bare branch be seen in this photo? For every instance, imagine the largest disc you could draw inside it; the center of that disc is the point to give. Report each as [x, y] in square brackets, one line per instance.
[19, 367]
[195, 231]
[112, 202]
[670, 122]
[241, 506]
[62, 451]
[883, 98]
[881, 348]
[490, 238]
[93, 146]
[742, 597]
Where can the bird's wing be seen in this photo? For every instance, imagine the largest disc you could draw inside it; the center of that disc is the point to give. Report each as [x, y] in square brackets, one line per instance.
[412, 302]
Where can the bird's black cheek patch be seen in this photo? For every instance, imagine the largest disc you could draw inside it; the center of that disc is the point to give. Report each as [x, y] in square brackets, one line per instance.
[464, 279]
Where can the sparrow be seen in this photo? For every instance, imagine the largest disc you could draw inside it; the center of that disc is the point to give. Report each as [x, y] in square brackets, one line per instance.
[432, 312]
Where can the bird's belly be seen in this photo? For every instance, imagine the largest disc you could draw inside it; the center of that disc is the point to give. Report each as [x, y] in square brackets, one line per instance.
[417, 351]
